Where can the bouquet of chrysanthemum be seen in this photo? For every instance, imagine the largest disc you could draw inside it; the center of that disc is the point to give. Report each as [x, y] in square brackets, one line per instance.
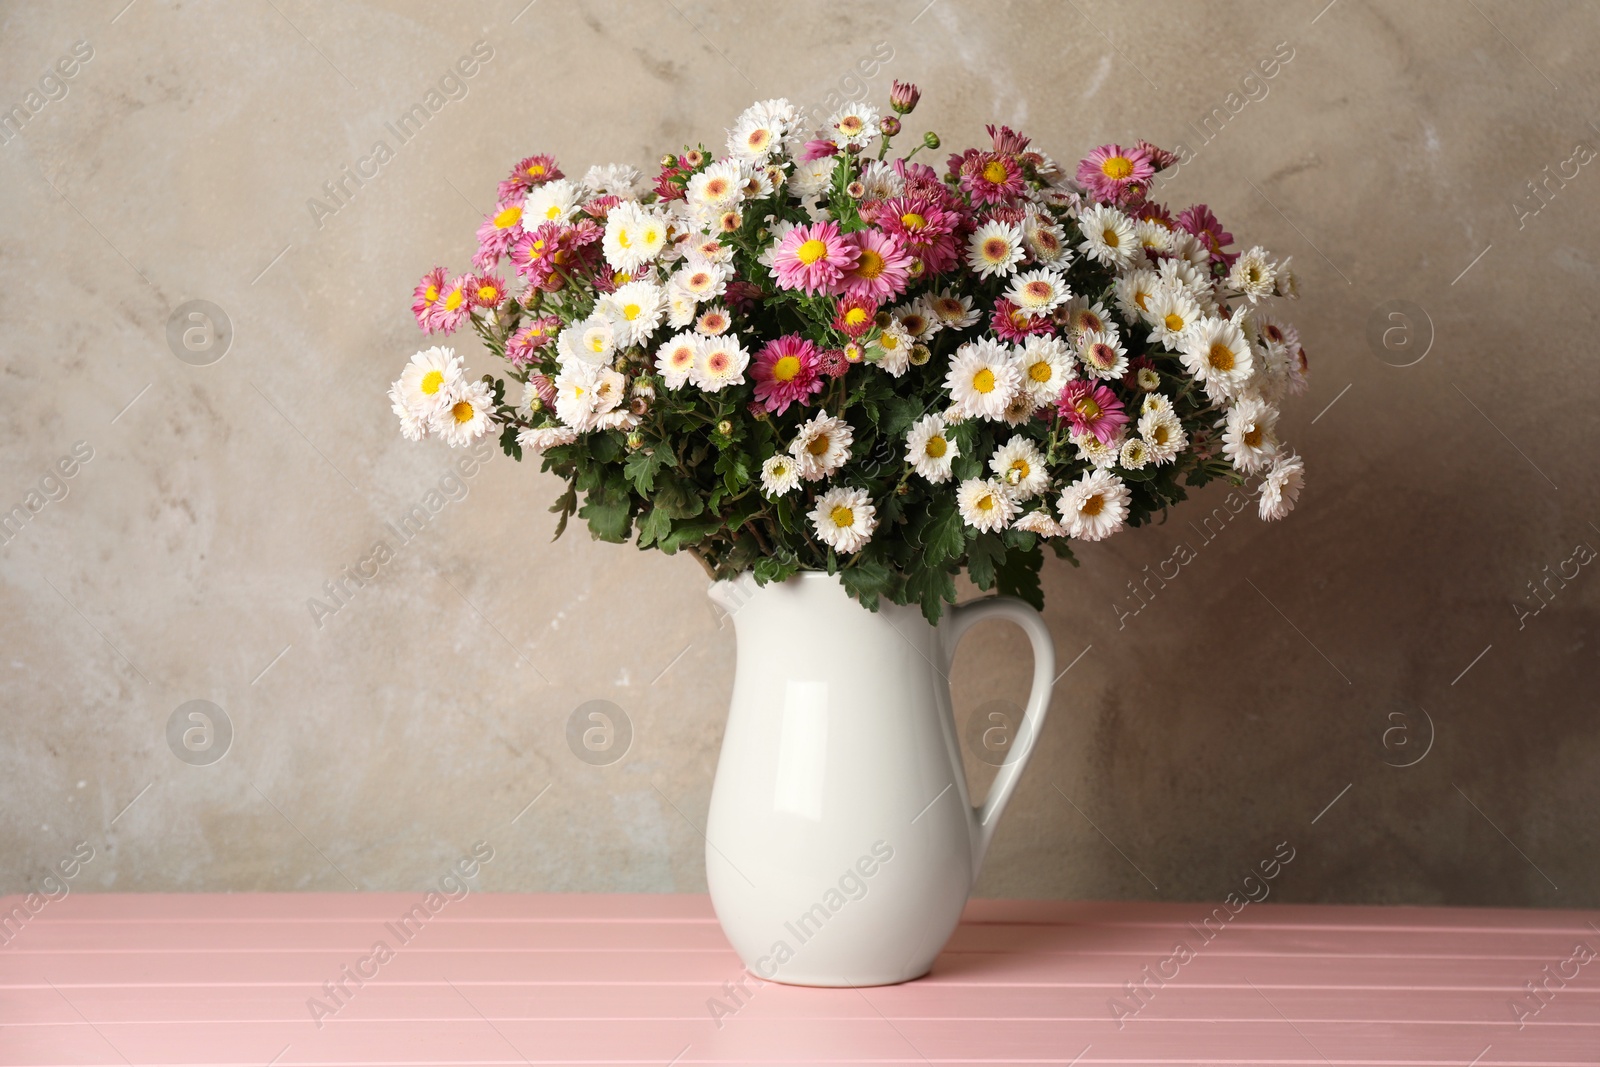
[809, 355]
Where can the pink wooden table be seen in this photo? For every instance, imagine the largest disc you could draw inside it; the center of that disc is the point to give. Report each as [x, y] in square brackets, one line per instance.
[500, 979]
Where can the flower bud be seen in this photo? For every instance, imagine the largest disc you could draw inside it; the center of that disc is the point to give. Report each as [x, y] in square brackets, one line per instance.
[635, 440]
[920, 354]
[725, 428]
[903, 97]
[889, 125]
[930, 139]
[535, 405]
[639, 406]
[855, 190]
[669, 160]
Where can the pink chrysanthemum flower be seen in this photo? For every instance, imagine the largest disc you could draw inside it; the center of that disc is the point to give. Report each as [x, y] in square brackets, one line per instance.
[426, 295]
[488, 291]
[883, 267]
[786, 372]
[924, 227]
[833, 363]
[524, 345]
[1199, 221]
[544, 389]
[855, 316]
[1110, 171]
[1092, 408]
[535, 253]
[454, 305]
[991, 178]
[1008, 142]
[1160, 158]
[814, 258]
[495, 236]
[600, 206]
[535, 170]
[818, 149]
[1010, 323]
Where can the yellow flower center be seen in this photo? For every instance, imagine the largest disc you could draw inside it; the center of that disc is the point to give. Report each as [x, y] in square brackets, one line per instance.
[1117, 168]
[1173, 321]
[1252, 437]
[759, 137]
[1142, 298]
[1110, 237]
[552, 212]
[1021, 467]
[508, 218]
[911, 220]
[430, 294]
[535, 170]
[995, 172]
[983, 381]
[936, 447]
[1160, 434]
[995, 249]
[870, 265]
[432, 382]
[811, 251]
[786, 369]
[818, 445]
[1093, 506]
[1086, 407]
[630, 311]
[850, 125]
[855, 316]
[651, 235]
[597, 342]
[454, 300]
[1038, 292]
[1221, 357]
[842, 516]
[1041, 371]
[488, 294]
[624, 239]
[461, 412]
[986, 502]
[717, 188]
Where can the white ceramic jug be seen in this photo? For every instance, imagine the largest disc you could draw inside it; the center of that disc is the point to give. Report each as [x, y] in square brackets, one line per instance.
[841, 842]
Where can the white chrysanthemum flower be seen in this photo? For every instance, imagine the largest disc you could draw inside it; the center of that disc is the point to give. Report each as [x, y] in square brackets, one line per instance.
[986, 504]
[1136, 293]
[714, 321]
[1080, 315]
[1134, 454]
[1020, 467]
[1216, 352]
[537, 439]
[1046, 365]
[635, 309]
[844, 519]
[917, 319]
[1095, 506]
[1152, 236]
[929, 451]
[464, 417]
[1253, 275]
[1098, 453]
[1102, 355]
[779, 475]
[1196, 283]
[634, 236]
[1299, 371]
[1154, 402]
[610, 390]
[575, 395]
[892, 349]
[1172, 312]
[983, 379]
[1040, 522]
[1108, 237]
[754, 137]
[1147, 379]
[426, 382]
[954, 311]
[1249, 435]
[880, 181]
[681, 308]
[716, 189]
[591, 341]
[1162, 431]
[821, 446]
[1045, 242]
[719, 363]
[1038, 292]
[675, 360]
[811, 180]
[1281, 487]
[1288, 280]
[994, 249]
[413, 424]
[613, 179]
[555, 201]
[854, 124]
[619, 419]
[1020, 409]
[701, 279]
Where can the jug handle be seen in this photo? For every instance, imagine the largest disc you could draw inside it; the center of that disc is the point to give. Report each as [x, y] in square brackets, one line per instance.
[985, 818]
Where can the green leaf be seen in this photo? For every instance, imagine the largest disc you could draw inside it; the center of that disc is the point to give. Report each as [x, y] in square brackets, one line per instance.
[654, 526]
[677, 498]
[605, 447]
[687, 534]
[771, 569]
[983, 558]
[642, 466]
[865, 580]
[946, 536]
[931, 587]
[1018, 575]
[508, 442]
[734, 470]
[608, 509]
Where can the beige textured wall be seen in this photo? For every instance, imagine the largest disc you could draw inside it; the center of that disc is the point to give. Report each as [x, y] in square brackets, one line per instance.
[1284, 668]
